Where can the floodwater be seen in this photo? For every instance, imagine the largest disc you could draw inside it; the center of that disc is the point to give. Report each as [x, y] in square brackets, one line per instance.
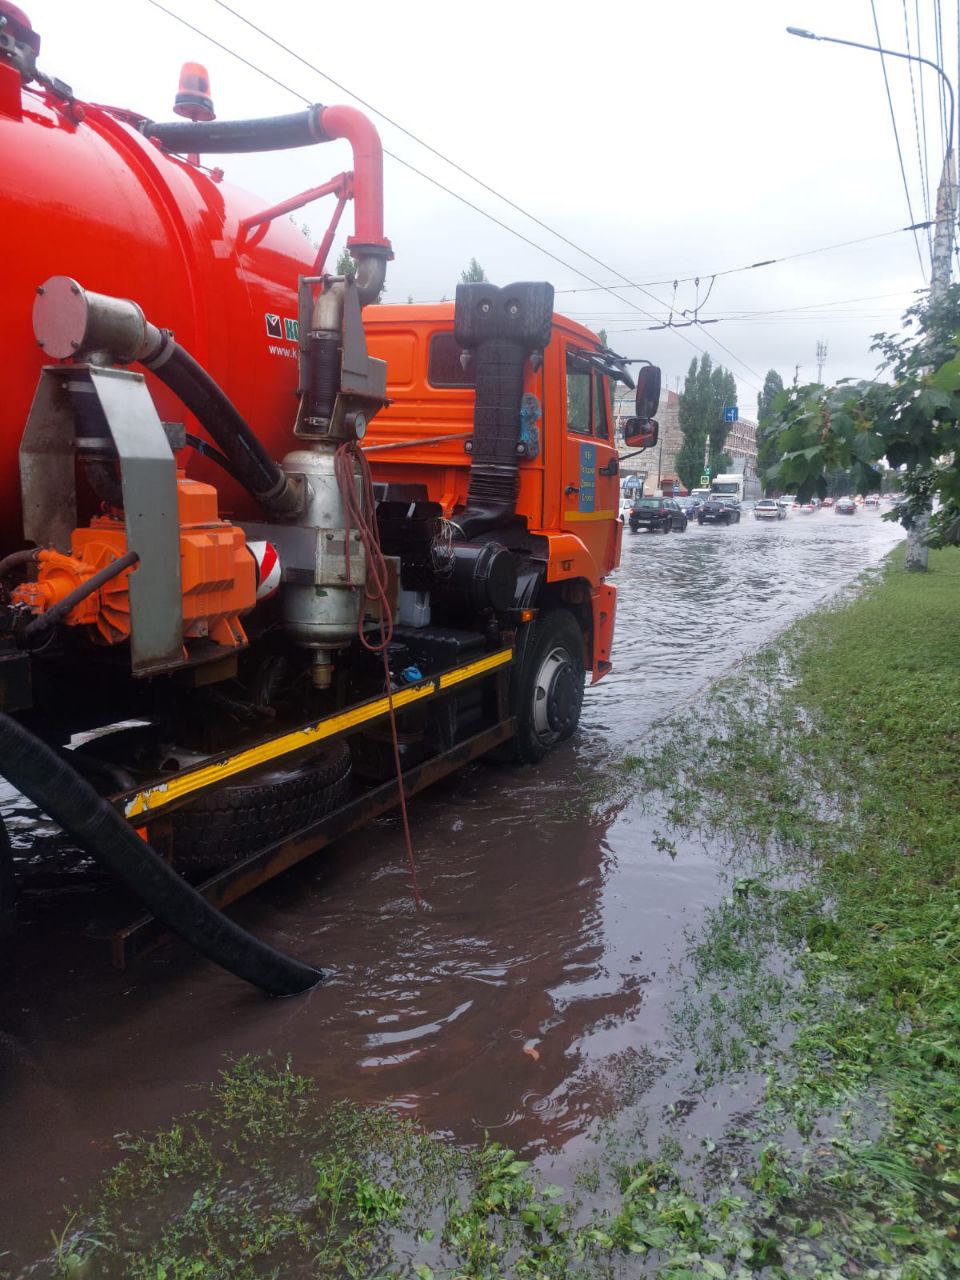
[538, 965]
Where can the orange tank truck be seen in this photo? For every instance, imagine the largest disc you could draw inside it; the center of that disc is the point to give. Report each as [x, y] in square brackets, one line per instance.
[272, 555]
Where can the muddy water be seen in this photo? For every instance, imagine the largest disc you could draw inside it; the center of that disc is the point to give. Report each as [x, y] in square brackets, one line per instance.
[509, 1003]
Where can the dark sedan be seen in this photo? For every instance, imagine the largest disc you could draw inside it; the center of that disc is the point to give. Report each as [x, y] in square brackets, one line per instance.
[657, 515]
[689, 506]
[719, 510]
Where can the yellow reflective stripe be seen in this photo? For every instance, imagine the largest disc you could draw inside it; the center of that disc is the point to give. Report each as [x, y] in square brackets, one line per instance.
[589, 515]
[476, 668]
[164, 793]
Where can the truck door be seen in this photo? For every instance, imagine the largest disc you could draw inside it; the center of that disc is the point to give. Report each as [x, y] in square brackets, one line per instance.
[591, 482]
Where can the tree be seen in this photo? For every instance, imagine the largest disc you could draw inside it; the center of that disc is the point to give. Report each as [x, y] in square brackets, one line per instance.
[772, 386]
[602, 335]
[707, 390]
[768, 427]
[345, 263]
[474, 274]
[912, 420]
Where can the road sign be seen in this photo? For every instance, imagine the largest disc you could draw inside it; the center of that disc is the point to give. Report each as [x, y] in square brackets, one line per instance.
[731, 414]
[676, 491]
[705, 481]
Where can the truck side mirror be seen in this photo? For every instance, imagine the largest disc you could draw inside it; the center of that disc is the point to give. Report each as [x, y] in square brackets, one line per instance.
[648, 391]
[641, 433]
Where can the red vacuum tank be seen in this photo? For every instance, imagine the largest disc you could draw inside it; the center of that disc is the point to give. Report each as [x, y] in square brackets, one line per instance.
[84, 194]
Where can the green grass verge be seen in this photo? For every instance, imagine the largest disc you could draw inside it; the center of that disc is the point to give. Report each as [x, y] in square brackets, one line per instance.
[834, 763]
[827, 770]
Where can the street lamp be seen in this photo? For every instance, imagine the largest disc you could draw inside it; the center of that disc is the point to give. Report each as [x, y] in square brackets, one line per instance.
[891, 53]
[943, 235]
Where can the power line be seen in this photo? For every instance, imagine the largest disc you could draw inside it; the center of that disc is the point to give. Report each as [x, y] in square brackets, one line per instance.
[896, 136]
[802, 306]
[921, 154]
[446, 159]
[765, 262]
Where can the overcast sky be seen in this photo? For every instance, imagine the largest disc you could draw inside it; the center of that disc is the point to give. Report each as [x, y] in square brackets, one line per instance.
[665, 139]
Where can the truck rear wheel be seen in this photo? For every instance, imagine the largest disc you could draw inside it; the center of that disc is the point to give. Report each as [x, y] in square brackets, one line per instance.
[549, 692]
[235, 821]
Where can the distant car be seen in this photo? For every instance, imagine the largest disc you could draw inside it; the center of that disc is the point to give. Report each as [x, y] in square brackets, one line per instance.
[689, 506]
[871, 500]
[719, 509]
[807, 508]
[786, 502]
[657, 515]
[768, 509]
[828, 502]
[846, 507]
[626, 505]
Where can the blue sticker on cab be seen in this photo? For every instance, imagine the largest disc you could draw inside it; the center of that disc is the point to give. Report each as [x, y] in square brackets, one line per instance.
[587, 500]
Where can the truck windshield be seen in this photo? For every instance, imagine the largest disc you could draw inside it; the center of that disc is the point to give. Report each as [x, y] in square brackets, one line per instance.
[728, 487]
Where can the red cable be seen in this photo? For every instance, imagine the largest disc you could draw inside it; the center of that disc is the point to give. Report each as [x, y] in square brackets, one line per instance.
[360, 516]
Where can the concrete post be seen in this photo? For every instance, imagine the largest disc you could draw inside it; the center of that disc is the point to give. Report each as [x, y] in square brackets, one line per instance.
[917, 553]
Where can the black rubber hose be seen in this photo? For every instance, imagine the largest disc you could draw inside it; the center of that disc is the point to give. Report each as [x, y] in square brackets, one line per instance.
[206, 450]
[253, 467]
[231, 137]
[57, 612]
[55, 787]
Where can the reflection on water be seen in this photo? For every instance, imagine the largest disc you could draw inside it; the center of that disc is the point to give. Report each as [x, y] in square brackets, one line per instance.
[541, 956]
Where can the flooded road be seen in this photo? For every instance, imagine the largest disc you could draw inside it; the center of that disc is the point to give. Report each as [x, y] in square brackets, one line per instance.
[538, 966]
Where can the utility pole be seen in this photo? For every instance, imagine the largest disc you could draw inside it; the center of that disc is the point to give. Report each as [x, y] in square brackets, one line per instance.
[796, 373]
[943, 236]
[940, 276]
[821, 359]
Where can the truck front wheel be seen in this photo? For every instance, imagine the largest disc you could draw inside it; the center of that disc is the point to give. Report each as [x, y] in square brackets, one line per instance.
[549, 692]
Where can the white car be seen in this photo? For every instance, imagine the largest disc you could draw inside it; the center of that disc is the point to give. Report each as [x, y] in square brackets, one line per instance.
[768, 509]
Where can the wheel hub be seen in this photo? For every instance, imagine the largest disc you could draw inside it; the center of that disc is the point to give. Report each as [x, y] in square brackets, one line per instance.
[555, 695]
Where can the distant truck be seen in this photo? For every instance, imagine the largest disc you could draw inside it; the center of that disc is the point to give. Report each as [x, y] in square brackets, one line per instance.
[743, 488]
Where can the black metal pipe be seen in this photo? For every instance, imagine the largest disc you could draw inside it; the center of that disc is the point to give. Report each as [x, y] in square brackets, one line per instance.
[50, 617]
[232, 137]
[259, 474]
[501, 328]
[55, 787]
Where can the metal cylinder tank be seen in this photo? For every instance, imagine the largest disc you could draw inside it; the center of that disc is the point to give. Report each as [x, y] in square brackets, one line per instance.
[322, 603]
[84, 194]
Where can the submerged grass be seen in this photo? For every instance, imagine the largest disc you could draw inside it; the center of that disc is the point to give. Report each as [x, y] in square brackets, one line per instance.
[832, 763]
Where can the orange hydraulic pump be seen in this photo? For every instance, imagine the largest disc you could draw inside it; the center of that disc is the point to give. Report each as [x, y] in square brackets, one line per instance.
[218, 574]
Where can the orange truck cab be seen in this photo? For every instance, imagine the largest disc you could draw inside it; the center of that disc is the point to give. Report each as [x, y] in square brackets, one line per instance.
[568, 484]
